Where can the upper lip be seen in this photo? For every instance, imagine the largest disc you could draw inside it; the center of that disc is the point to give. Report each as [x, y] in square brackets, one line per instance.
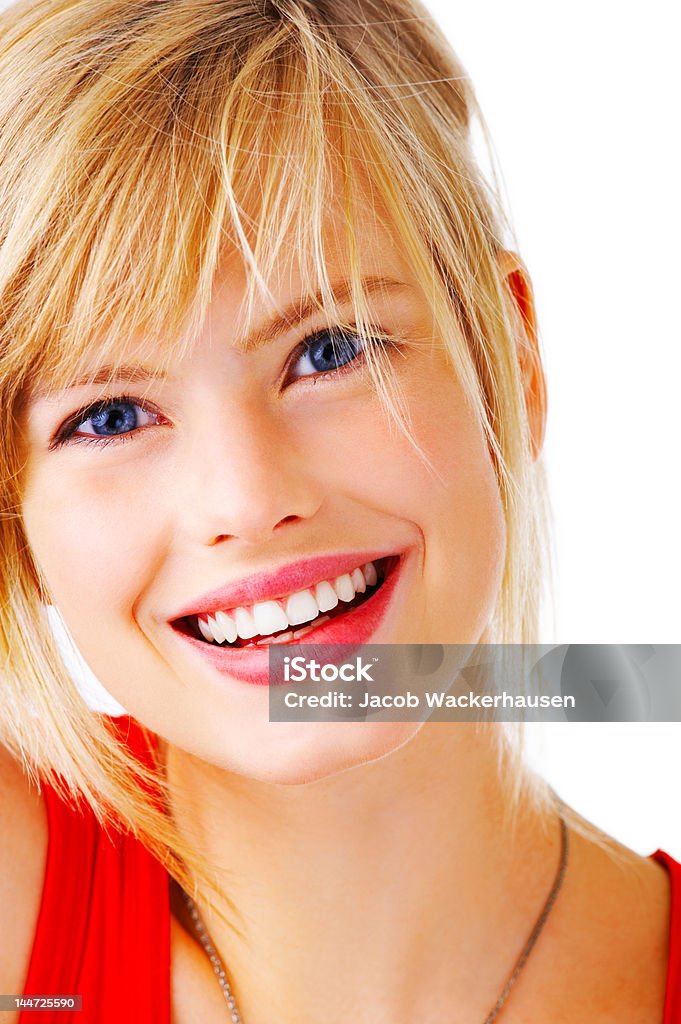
[268, 585]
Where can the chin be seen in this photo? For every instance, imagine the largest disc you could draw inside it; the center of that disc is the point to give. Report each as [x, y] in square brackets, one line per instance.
[296, 754]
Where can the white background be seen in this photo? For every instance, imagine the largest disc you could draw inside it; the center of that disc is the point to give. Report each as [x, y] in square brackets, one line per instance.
[582, 101]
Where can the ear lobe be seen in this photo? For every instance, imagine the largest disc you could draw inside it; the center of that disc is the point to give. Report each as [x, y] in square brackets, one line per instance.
[518, 289]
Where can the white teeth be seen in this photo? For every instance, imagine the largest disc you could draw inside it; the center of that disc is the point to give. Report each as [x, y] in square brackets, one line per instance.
[206, 631]
[226, 625]
[301, 607]
[370, 574]
[281, 638]
[358, 581]
[245, 624]
[285, 637]
[269, 617]
[215, 629]
[344, 587]
[325, 596]
[313, 625]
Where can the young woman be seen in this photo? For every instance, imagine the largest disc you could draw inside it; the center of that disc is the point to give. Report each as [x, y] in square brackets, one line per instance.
[269, 372]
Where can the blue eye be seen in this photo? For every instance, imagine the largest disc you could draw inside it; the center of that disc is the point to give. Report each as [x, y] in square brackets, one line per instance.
[329, 350]
[115, 418]
[106, 420]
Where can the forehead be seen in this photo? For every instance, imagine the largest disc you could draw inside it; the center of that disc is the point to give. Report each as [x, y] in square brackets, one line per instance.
[345, 273]
[347, 268]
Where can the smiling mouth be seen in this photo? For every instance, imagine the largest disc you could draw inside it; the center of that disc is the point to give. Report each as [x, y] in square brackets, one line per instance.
[309, 609]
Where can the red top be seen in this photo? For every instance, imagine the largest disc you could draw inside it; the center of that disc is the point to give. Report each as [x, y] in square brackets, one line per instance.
[103, 929]
[672, 1002]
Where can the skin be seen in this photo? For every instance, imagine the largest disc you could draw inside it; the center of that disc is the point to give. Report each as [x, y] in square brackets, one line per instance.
[352, 851]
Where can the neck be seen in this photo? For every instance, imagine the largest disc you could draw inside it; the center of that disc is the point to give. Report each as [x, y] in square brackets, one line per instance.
[376, 894]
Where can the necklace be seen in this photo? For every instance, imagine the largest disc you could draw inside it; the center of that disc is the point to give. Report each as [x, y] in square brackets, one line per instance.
[221, 974]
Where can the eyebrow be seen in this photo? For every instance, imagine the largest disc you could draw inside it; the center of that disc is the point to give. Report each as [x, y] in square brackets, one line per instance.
[296, 313]
[300, 311]
[104, 375]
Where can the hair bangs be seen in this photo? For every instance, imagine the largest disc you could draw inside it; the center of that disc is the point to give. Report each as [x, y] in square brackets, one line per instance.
[179, 170]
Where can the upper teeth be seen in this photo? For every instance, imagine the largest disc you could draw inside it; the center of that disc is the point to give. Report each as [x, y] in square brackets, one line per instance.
[268, 617]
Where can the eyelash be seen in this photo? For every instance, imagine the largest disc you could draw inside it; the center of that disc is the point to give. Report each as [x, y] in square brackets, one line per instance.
[66, 433]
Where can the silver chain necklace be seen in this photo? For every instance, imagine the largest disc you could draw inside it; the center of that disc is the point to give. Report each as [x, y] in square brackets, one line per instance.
[221, 974]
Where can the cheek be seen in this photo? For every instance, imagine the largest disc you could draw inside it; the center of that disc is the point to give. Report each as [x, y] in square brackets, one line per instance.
[92, 536]
[452, 489]
[466, 520]
[452, 501]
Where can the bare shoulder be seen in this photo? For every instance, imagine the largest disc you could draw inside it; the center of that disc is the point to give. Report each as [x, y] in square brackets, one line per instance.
[611, 927]
[630, 900]
[23, 852]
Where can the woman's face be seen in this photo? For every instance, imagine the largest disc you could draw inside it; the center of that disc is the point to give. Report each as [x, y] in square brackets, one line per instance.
[241, 461]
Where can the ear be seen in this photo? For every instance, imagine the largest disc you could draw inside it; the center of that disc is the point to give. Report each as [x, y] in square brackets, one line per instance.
[518, 290]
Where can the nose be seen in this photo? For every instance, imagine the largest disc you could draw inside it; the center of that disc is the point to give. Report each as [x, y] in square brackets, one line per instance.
[247, 476]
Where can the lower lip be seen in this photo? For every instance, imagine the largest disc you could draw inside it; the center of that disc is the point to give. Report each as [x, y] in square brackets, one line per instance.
[251, 664]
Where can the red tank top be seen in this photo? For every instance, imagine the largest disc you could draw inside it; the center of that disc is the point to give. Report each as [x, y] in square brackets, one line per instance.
[103, 929]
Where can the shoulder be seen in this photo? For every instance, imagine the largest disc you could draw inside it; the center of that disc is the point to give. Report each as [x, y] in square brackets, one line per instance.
[615, 930]
[23, 854]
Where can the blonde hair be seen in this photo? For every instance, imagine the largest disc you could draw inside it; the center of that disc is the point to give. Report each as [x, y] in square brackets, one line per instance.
[139, 142]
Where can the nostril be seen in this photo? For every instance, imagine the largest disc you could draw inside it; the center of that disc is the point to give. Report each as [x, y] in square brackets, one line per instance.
[287, 519]
[220, 537]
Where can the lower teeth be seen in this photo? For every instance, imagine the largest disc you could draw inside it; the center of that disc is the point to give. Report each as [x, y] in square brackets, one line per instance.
[284, 637]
